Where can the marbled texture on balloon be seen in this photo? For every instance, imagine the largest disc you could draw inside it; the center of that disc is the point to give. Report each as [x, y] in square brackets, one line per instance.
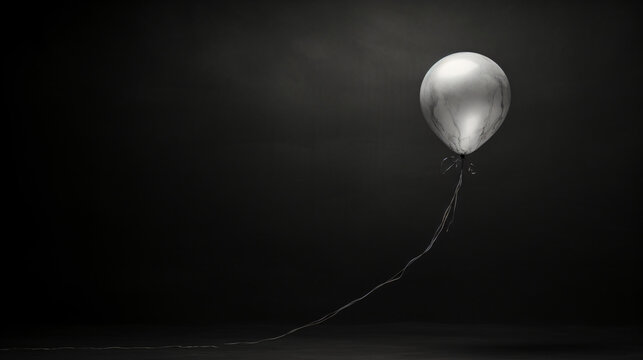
[465, 98]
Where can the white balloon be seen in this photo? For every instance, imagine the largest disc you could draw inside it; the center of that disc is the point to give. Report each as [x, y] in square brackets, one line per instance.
[465, 98]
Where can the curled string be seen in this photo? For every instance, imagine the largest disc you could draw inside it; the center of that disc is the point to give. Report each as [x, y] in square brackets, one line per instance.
[455, 162]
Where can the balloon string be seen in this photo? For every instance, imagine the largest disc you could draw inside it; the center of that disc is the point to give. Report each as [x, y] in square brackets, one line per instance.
[461, 162]
[161, 347]
[450, 210]
[397, 276]
[455, 200]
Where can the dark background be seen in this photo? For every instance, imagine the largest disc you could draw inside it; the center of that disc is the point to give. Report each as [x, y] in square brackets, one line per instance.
[267, 162]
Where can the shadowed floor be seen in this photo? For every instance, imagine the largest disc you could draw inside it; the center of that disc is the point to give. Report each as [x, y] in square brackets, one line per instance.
[381, 341]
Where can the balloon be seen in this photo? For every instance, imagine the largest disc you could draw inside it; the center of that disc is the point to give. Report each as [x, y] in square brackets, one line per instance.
[465, 98]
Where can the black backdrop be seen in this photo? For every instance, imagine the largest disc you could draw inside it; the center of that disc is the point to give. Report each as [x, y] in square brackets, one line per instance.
[197, 163]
